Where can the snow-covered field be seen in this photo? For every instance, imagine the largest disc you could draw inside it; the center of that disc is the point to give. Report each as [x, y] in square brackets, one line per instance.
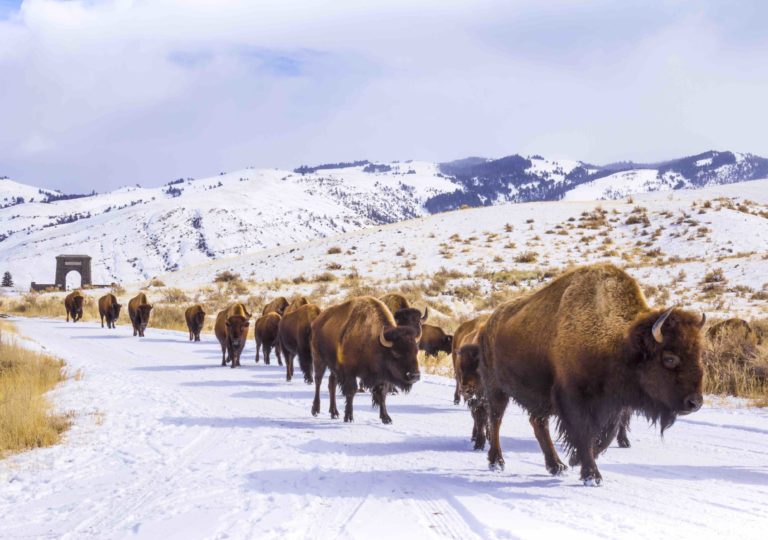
[166, 443]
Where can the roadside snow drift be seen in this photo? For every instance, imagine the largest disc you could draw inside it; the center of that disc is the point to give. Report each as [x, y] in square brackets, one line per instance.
[168, 444]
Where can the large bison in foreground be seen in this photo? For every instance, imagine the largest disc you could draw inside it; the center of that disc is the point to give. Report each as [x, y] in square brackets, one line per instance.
[73, 303]
[294, 335]
[585, 348]
[359, 339]
[138, 311]
[231, 329]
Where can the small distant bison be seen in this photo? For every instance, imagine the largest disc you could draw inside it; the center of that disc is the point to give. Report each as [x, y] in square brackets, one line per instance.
[586, 347]
[195, 317]
[294, 336]
[737, 330]
[109, 309]
[278, 305]
[138, 312]
[295, 304]
[434, 340]
[465, 334]
[73, 303]
[265, 333]
[359, 339]
[231, 330]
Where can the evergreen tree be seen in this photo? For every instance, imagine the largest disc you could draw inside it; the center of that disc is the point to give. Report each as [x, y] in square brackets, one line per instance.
[7, 279]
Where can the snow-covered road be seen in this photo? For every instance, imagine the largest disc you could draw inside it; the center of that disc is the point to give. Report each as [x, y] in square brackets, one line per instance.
[168, 444]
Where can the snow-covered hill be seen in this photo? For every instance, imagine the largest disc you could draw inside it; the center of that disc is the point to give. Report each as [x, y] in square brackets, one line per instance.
[134, 233]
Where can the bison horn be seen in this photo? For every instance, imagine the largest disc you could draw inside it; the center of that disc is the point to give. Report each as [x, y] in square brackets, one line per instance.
[656, 330]
[384, 341]
[703, 319]
[426, 314]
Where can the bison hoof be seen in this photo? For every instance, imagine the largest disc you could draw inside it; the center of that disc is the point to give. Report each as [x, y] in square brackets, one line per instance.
[386, 419]
[624, 443]
[557, 469]
[496, 466]
[456, 401]
[315, 409]
[592, 481]
[479, 446]
[335, 415]
[308, 380]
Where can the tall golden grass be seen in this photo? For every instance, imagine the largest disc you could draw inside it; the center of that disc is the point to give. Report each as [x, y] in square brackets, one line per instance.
[26, 418]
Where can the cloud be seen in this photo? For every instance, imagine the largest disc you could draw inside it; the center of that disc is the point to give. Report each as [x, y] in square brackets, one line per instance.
[105, 93]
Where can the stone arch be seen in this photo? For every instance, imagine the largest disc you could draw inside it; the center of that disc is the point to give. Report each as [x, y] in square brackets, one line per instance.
[77, 263]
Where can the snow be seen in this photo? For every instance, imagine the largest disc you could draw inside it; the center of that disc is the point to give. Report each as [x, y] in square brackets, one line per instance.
[166, 443]
[617, 185]
[11, 190]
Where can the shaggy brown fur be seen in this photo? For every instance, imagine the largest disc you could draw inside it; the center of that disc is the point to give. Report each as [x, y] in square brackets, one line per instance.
[737, 329]
[434, 340]
[582, 348]
[73, 303]
[294, 336]
[138, 312]
[277, 305]
[359, 338]
[231, 330]
[395, 301]
[265, 333]
[295, 304]
[195, 317]
[465, 334]
[109, 309]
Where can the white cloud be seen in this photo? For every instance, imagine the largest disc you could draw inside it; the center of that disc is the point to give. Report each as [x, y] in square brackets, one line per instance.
[115, 92]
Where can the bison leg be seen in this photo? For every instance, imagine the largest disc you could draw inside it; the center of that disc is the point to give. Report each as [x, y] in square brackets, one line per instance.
[319, 372]
[332, 392]
[622, 438]
[581, 435]
[551, 459]
[266, 352]
[223, 355]
[349, 395]
[288, 366]
[456, 399]
[305, 365]
[480, 418]
[279, 356]
[379, 397]
[497, 404]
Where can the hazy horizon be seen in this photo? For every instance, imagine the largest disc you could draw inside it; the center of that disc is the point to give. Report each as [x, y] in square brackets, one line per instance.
[103, 93]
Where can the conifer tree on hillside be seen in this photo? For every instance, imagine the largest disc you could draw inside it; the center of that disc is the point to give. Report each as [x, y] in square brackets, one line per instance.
[7, 279]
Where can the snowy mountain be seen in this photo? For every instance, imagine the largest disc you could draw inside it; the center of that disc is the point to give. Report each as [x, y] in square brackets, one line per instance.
[134, 233]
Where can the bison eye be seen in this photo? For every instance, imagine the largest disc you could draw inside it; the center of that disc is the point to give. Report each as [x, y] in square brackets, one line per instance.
[671, 361]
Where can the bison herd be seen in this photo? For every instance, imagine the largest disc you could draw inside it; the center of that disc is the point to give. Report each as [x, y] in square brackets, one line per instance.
[586, 349]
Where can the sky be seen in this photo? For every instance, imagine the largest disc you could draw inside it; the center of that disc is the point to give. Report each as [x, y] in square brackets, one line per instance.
[97, 94]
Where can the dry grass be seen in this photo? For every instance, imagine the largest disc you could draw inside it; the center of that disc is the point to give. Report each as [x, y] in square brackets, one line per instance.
[734, 366]
[26, 418]
[50, 306]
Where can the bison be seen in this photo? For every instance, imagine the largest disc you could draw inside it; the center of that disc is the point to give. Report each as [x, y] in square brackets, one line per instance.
[265, 333]
[585, 348]
[473, 390]
[295, 304]
[734, 329]
[294, 335]
[403, 313]
[278, 305]
[73, 303]
[138, 312]
[109, 309]
[231, 330]
[359, 339]
[433, 340]
[465, 334]
[195, 317]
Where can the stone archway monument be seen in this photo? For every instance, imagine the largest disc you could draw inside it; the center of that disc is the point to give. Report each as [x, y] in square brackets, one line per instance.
[64, 265]
[67, 263]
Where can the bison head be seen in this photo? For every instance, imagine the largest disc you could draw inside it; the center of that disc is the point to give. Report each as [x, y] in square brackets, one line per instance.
[469, 364]
[142, 312]
[237, 330]
[446, 344]
[78, 305]
[115, 310]
[401, 365]
[200, 318]
[669, 369]
[411, 317]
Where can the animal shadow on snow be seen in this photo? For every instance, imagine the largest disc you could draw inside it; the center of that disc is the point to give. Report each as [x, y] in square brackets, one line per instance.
[725, 473]
[749, 429]
[285, 393]
[226, 384]
[411, 444]
[188, 367]
[101, 336]
[246, 422]
[421, 485]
